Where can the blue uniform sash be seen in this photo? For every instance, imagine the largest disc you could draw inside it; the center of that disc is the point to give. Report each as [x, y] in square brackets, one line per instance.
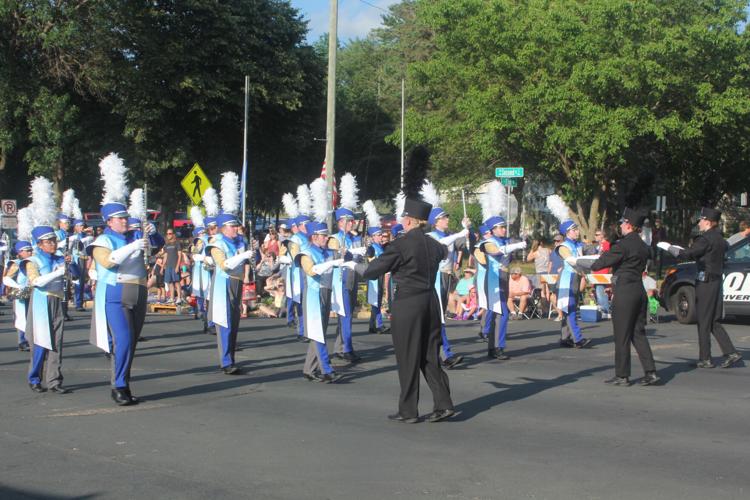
[340, 275]
[40, 311]
[220, 287]
[201, 278]
[373, 285]
[497, 267]
[19, 305]
[296, 273]
[566, 295]
[482, 284]
[105, 278]
[313, 316]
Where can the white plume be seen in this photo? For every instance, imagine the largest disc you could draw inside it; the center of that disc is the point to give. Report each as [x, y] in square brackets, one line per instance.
[498, 198]
[77, 214]
[211, 202]
[43, 208]
[557, 206]
[25, 224]
[304, 203]
[348, 192]
[399, 202]
[290, 205]
[430, 194]
[318, 191]
[486, 204]
[114, 174]
[196, 216]
[230, 193]
[137, 208]
[66, 206]
[373, 217]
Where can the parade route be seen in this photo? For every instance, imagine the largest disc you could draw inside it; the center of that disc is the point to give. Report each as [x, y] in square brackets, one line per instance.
[541, 425]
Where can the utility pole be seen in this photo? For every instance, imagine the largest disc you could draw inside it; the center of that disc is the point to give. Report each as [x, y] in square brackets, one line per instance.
[331, 105]
[403, 107]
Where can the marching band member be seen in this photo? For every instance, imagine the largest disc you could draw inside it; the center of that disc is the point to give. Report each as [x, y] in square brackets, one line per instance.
[120, 296]
[375, 288]
[211, 202]
[45, 270]
[570, 280]
[15, 278]
[293, 307]
[481, 260]
[438, 219]
[297, 243]
[227, 249]
[200, 278]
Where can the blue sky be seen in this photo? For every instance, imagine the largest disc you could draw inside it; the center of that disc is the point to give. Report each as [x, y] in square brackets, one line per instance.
[356, 17]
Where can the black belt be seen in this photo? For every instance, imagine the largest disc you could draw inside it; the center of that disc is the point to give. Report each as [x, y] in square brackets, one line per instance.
[704, 277]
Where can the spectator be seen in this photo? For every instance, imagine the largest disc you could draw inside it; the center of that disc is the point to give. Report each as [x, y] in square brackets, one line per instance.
[265, 268]
[519, 288]
[271, 243]
[471, 306]
[157, 276]
[741, 235]
[602, 298]
[172, 268]
[539, 255]
[461, 294]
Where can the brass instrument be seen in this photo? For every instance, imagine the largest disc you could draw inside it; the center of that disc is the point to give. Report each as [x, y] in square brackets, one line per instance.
[144, 227]
[20, 293]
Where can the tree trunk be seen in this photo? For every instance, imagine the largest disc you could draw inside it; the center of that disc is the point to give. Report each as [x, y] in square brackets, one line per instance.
[57, 178]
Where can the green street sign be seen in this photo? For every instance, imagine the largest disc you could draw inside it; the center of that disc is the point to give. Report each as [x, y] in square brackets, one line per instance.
[508, 172]
[506, 181]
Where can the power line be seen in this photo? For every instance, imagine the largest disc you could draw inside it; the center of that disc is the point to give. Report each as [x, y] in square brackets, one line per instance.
[374, 6]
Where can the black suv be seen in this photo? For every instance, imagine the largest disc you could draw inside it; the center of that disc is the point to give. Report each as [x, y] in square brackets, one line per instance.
[677, 292]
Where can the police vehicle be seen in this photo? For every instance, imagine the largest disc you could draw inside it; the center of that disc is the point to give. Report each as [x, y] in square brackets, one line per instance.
[677, 292]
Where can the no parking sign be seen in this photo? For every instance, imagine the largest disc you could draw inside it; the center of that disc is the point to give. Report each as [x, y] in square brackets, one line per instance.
[9, 208]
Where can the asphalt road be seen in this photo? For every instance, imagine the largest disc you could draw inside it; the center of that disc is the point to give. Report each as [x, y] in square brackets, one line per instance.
[541, 425]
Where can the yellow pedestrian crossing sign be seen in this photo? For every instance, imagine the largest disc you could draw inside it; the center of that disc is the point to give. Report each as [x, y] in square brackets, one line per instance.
[195, 184]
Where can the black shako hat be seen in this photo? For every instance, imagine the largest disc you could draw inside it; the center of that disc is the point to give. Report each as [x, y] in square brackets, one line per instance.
[635, 218]
[710, 214]
[416, 209]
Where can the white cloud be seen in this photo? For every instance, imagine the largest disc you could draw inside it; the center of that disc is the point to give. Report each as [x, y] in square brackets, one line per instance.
[356, 18]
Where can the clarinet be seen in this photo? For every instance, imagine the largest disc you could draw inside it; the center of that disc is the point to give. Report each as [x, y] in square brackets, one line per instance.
[66, 274]
[144, 226]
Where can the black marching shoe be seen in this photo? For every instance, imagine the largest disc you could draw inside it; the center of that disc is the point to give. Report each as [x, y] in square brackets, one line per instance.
[37, 387]
[330, 378]
[120, 397]
[352, 357]
[404, 420]
[231, 370]
[312, 377]
[291, 325]
[133, 400]
[438, 415]
[618, 381]
[649, 379]
[497, 354]
[567, 343]
[302, 338]
[143, 339]
[705, 363]
[583, 343]
[731, 360]
[58, 389]
[80, 309]
[23, 346]
[452, 361]
[482, 336]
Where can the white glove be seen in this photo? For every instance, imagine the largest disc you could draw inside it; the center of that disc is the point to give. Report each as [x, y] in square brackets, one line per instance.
[358, 251]
[118, 256]
[150, 229]
[197, 257]
[325, 266]
[92, 274]
[10, 282]
[452, 238]
[285, 259]
[349, 265]
[86, 240]
[44, 279]
[571, 260]
[514, 246]
[664, 245]
[209, 261]
[237, 260]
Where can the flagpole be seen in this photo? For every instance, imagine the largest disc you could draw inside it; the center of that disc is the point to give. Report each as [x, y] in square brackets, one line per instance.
[244, 151]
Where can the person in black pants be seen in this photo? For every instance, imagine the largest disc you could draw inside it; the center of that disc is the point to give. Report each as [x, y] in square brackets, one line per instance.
[413, 261]
[628, 258]
[708, 251]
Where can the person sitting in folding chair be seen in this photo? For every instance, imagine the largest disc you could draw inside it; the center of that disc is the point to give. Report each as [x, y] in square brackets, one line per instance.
[519, 292]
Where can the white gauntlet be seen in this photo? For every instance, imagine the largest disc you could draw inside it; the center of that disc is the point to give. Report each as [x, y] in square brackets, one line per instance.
[198, 257]
[118, 256]
[45, 279]
[514, 246]
[325, 266]
[452, 238]
[10, 282]
[237, 260]
[360, 251]
[285, 259]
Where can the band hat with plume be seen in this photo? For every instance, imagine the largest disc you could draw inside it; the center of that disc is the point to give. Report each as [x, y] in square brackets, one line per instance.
[373, 218]
[398, 203]
[431, 195]
[304, 205]
[136, 209]
[196, 217]
[493, 201]
[23, 230]
[290, 209]
[66, 207]
[43, 210]
[319, 195]
[349, 197]
[211, 202]
[114, 175]
[561, 211]
[77, 214]
[230, 200]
